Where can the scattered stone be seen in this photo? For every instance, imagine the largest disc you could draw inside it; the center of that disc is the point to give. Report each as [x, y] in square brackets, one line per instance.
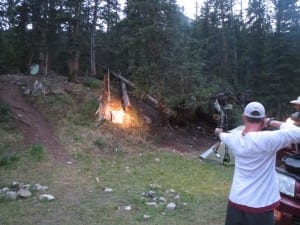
[155, 186]
[149, 194]
[146, 217]
[107, 189]
[157, 160]
[39, 187]
[162, 200]
[151, 203]
[5, 189]
[171, 205]
[124, 208]
[172, 191]
[46, 197]
[11, 195]
[15, 184]
[23, 193]
[27, 186]
[177, 197]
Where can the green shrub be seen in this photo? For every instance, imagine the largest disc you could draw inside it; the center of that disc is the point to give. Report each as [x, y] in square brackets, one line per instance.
[5, 114]
[37, 152]
[7, 159]
[100, 142]
[91, 82]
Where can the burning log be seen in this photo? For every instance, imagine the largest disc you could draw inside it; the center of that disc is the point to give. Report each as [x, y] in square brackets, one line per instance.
[103, 111]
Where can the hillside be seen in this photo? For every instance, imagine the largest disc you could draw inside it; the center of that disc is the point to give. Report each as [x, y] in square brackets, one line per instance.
[39, 118]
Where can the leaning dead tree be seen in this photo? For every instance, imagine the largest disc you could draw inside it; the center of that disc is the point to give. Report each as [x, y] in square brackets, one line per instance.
[158, 105]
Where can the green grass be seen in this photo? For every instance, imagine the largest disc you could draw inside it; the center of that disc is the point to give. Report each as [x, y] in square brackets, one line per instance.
[7, 159]
[10, 140]
[91, 82]
[37, 152]
[5, 113]
[202, 187]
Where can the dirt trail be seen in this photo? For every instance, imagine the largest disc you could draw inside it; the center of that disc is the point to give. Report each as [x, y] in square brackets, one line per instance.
[34, 126]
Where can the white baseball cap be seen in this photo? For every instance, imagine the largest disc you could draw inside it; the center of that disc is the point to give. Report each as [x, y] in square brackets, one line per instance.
[255, 110]
[297, 101]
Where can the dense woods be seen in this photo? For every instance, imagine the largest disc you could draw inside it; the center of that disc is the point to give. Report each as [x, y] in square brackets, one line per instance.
[252, 51]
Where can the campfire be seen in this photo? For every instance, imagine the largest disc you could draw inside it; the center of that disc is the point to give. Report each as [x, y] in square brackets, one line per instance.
[117, 116]
[119, 111]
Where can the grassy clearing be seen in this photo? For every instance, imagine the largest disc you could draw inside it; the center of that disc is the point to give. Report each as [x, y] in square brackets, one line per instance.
[115, 157]
[80, 198]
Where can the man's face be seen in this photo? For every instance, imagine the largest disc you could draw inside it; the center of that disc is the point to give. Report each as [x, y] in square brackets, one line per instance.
[297, 107]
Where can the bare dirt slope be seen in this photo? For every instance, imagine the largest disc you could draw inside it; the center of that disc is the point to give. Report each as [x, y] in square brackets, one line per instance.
[34, 126]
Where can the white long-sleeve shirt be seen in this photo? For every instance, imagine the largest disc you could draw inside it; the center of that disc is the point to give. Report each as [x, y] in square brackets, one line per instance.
[254, 182]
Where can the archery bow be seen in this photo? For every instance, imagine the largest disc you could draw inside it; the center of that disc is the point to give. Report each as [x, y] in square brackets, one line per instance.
[222, 110]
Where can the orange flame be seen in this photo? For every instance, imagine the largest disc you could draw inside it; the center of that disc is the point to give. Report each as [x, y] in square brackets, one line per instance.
[117, 116]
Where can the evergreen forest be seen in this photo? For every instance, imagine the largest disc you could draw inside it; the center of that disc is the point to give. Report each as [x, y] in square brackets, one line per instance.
[252, 51]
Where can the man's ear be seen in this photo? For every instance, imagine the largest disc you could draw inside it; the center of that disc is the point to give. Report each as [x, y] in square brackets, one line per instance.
[262, 124]
[244, 117]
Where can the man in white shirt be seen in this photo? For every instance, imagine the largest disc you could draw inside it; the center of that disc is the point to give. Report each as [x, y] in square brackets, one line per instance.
[254, 192]
[295, 117]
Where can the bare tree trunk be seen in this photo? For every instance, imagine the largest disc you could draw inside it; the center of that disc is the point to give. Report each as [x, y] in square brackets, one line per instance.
[224, 44]
[93, 54]
[235, 54]
[42, 51]
[44, 42]
[46, 64]
[93, 28]
[74, 51]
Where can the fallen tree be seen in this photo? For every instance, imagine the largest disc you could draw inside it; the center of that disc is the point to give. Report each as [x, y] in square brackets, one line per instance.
[154, 102]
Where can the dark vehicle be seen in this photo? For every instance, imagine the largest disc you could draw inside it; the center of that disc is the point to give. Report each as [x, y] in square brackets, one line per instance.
[288, 171]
